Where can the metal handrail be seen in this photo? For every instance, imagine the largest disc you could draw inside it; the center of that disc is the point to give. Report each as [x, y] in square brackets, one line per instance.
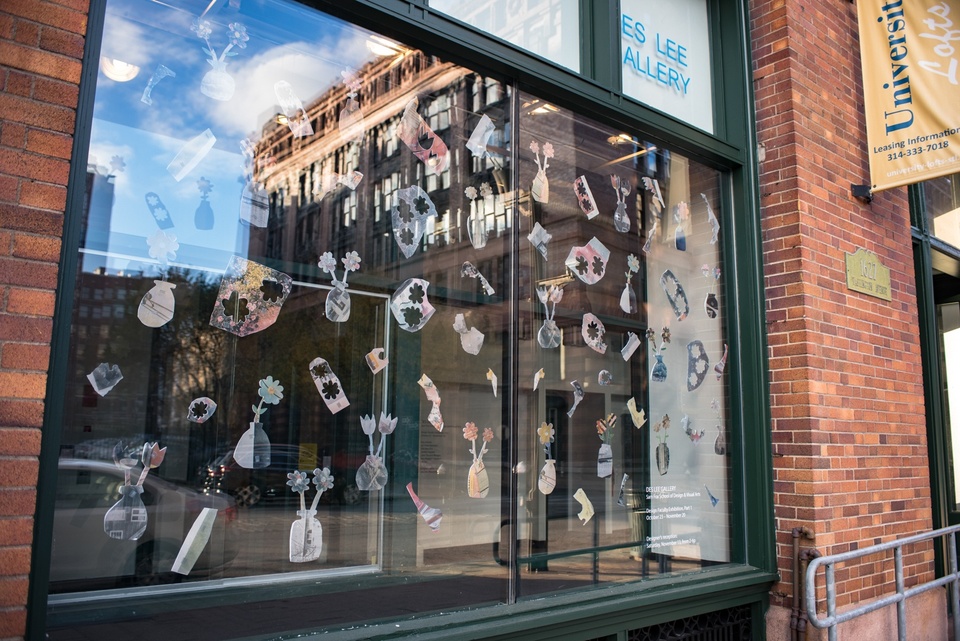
[833, 619]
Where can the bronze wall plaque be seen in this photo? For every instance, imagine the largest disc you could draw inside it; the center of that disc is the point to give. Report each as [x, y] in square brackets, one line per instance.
[867, 275]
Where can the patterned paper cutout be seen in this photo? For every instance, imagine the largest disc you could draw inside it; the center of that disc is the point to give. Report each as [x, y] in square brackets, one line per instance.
[719, 445]
[698, 364]
[537, 377]
[577, 397]
[662, 452]
[593, 332]
[639, 417]
[469, 271]
[691, 433]
[721, 364]
[547, 480]
[477, 218]
[323, 185]
[410, 305]
[163, 246]
[586, 512]
[417, 135]
[605, 454]
[604, 377]
[481, 136]
[633, 342]
[712, 219]
[621, 220]
[201, 410]
[431, 515]
[104, 378]
[157, 305]
[195, 541]
[711, 306]
[539, 237]
[190, 154]
[158, 210]
[674, 290]
[250, 297]
[471, 340]
[306, 533]
[681, 216]
[372, 473]
[589, 263]
[292, 109]
[253, 449]
[581, 188]
[161, 72]
[628, 299]
[478, 482]
[433, 395]
[492, 377]
[126, 520]
[376, 359]
[410, 224]
[328, 384]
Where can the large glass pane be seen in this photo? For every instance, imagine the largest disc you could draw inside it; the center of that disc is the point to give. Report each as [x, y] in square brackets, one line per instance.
[942, 205]
[548, 28]
[292, 251]
[623, 401]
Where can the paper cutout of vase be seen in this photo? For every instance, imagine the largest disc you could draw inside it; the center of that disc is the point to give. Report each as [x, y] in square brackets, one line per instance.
[203, 216]
[306, 533]
[337, 306]
[372, 473]
[481, 136]
[253, 449]
[658, 373]
[662, 452]
[628, 299]
[540, 190]
[250, 297]
[292, 108]
[431, 515]
[126, 520]
[478, 482]
[605, 453]
[549, 335]
[217, 83]
[547, 480]
[712, 219]
[157, 305]
[540, 238]
[410, 224]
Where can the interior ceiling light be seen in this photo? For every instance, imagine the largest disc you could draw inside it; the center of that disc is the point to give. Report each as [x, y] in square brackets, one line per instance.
[118, 70]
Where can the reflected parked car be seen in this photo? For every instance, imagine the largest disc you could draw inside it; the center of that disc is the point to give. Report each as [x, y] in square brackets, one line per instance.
[251, 486]
[84, 557]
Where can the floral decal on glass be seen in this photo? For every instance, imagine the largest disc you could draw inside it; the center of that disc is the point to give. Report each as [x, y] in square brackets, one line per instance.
[658, 373]
[417, 135]
[306, 533]
[410, 222]
[372, 474]
[605, 454]
[250, 297]
[588, 263]
[253, 448]
[126, 520]
[337, 306]
[410, 305]
[541, 186]
[217, 83]
[478, 482]
[547, 481]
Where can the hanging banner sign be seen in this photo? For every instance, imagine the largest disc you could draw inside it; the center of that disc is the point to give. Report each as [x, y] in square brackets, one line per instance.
[910, 55]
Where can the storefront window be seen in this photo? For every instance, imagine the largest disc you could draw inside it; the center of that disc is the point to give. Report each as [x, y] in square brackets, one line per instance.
[942, 205]
[548, 28]
[331, 345]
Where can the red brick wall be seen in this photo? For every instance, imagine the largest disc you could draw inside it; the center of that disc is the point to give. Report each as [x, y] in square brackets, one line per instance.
[41, 46]
[849, 436]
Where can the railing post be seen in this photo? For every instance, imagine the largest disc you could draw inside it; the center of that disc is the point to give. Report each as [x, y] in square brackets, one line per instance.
[901, 604]
[954, 591]
[831, 601]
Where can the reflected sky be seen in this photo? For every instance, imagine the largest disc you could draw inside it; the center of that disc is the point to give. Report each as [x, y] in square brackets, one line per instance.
[286, 42]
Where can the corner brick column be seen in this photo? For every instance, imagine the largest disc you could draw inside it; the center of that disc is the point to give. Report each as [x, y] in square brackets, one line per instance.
[849, 431]
[41, 47]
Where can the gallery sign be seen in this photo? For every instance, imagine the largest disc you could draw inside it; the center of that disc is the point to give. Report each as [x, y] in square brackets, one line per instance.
[665, 58]
[910, 54]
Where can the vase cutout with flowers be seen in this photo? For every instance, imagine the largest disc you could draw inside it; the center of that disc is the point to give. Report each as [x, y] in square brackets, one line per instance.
[628, 299]
[253, 449]
[541, 185]
[203, 216]
[337, 307]
[478, 482]
[372, 473]
[217, 83]
[549, 335]
[662, 452]
[547, 480]
[658, 373]
[306, 533]
[126, 520]
[711, 306]
[477, 219]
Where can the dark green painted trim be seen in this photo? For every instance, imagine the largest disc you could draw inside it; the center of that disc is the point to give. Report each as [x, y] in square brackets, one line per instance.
[583, 615]
[62, 320]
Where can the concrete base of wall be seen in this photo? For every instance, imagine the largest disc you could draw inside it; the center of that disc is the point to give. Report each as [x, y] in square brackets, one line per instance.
[926, 621]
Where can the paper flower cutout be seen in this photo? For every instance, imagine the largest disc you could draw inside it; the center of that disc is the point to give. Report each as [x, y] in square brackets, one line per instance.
[162, 246]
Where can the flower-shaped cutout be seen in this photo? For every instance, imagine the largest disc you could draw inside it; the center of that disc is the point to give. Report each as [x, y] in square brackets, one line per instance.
[633, 263]
[270, 391]
[351, 262]
[470, 192]
[163, 246]
[238, 35]
[327, 262]
[201, 28]
[298, 481]
[487, 434]
[331, 390]
[546, 432]
[323, 479]
[470, 432]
